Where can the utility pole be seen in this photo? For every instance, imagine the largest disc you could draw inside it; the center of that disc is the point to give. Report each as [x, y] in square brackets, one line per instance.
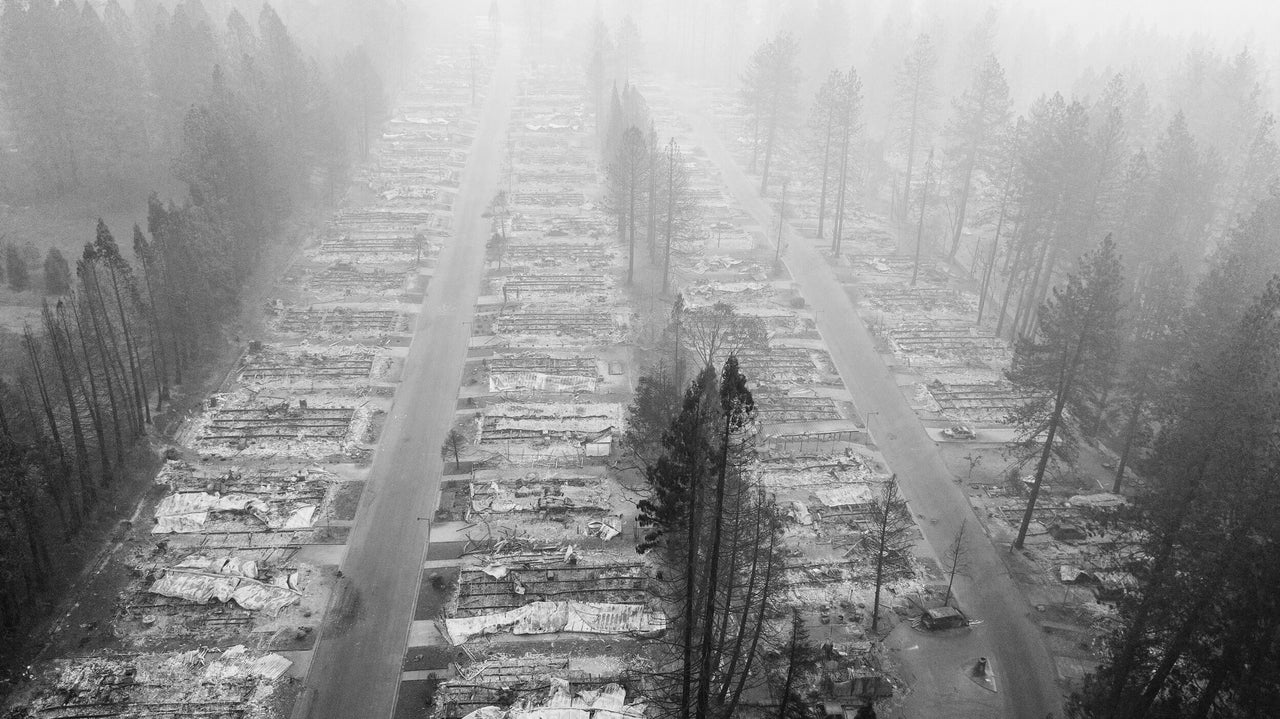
[924, 202]
[782, 218]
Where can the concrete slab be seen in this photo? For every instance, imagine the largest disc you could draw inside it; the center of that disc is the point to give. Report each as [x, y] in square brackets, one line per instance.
[301, 663]
[423, 633]
[322, 554]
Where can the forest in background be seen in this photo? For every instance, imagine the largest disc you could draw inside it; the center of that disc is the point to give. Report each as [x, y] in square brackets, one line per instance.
[1124, 234]
[253, 131]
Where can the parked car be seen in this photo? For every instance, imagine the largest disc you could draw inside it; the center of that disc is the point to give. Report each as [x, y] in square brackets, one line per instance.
[943, 618]
[959, 431]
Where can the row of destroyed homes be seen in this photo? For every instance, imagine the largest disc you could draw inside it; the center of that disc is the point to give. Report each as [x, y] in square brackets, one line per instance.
[945, 343]
[814, 456]
[533, 598]
[209, 605]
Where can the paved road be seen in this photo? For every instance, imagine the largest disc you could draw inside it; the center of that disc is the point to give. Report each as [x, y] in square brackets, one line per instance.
[1015, 645]
[355, 672]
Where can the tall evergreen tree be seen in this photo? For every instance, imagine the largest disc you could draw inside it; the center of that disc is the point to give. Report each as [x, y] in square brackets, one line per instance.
[1151, 355]
[799, 656]
[848, 111]
[599, 54]
[15, 266]
[1180, 203]
[822, 137]
[628, 176]
[915, 103]
[981, 115]
[1064, 364]
[717, 537]
[678, 207]
[57, 274]
[769, 90]
[1197, 637]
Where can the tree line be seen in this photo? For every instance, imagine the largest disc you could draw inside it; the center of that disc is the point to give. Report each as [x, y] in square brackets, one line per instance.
[18, 272]
[100, 98]
[253, 124]
[715, 533]
[1019, 198]
[1183, 380]
[1133, 265]
[1126, 243]
[647, 183]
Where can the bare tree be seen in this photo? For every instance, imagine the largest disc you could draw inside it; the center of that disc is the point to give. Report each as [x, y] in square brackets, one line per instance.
[955, 558]
[455, 442]
[974, 460]
[888, 536]
[713, 333]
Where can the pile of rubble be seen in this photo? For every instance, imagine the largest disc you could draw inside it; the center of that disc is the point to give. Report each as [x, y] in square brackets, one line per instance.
[232, 682]
[209, 604]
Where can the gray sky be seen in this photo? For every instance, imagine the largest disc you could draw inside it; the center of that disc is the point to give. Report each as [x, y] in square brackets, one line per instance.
[1228, 21]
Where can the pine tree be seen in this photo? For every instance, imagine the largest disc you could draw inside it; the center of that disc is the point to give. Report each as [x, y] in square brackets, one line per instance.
[888, 535]
[57, 274]
[627, 177]
[1196, 638]
[629, 46]
[679, 208]
[1054, 205]
[822, 133]
[915, 101]
[650, 413]
[1238, 272]
[1063, 365]
[122, 281]
[1152, 353]
[16, 269]
[982, 114]
[1258, 169]
[849, 125]
[36, 53]
[1180, 203]
[800, 656]
[454, 444]
[182, 54]
[769, 89]
[718, 540]
[599, 55]
[363, 98]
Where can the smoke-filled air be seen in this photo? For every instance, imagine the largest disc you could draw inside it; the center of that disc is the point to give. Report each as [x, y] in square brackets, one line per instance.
[639, 359]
